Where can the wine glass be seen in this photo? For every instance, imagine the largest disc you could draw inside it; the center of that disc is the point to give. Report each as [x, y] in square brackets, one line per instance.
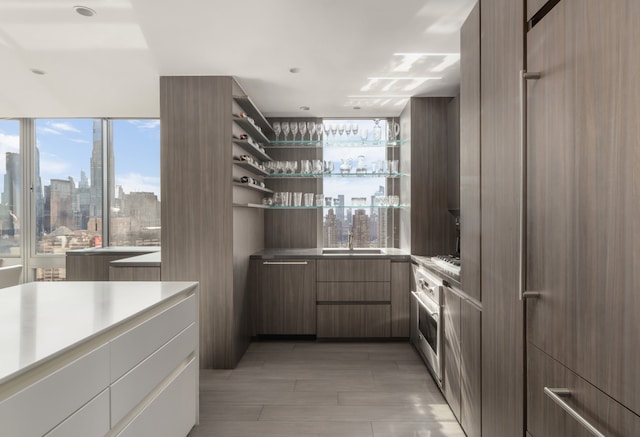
[354, 128]
[285, 129]
[277, 129]
[334, 130]
[319, 128]
[347, 130]
[294, 129]
[311, 127]
[326, 129]
[302, 127]
[341, 130]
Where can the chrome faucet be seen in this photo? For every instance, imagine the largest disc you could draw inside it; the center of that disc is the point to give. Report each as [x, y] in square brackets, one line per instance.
[350, 240]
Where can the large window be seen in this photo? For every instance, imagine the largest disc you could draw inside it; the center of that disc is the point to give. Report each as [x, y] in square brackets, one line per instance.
[135, 202]
[357, 188]
[68, 185]
[11, 195]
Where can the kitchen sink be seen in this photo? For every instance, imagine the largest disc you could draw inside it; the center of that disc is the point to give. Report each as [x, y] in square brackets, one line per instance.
[351, 251]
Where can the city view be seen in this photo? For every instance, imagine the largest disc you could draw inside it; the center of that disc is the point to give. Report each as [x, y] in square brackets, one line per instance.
[68, 198]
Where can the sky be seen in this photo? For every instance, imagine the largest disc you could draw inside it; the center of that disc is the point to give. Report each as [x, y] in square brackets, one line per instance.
[66, 144]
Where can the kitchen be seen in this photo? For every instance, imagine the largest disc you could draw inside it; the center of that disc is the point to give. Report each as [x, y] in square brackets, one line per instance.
[547, 227]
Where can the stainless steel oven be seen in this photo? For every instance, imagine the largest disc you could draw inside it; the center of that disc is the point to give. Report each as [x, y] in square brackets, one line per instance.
[426, 319]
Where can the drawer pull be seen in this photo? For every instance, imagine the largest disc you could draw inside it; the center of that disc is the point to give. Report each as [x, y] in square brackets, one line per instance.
[556, 394]
[284, 263]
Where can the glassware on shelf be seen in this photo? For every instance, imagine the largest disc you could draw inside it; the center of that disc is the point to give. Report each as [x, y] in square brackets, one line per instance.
[319, 199]
[326, 129]
[394, 200]
[354, 128]
[345, 167]
[319, 129]
[307, 199]
[364, 134]
[311, 128]
[305, 166]
[328, 167]
[285, 129]
[377, 130]
[277, 129]
[334, 130]
[302, 127]
[361, 168]
[297, 199]
[318, 166]
[294, 129]
[341, 129]
[347, 130]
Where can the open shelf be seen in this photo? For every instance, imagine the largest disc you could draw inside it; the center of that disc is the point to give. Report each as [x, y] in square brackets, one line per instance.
[334, 175]
[252, 111]
[253, 187]
[338, 207]
[251, 129]
[292, 144]
[249, 147]
[251, 167]
[251, 205]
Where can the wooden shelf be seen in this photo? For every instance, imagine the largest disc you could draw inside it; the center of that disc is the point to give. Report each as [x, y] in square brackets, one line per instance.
[252, 110]
[251, 167]
[251, 205]
[249, 147]
[251, 129]
[253, 187]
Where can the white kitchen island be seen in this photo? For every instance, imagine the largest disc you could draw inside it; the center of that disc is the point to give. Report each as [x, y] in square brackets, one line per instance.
[99, 358]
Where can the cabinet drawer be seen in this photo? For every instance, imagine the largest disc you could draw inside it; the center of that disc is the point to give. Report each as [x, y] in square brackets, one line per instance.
[354, 292]
[133, 346]
[546, 418]
[361, 270]
[40, 407]
[92, 420]
[135, 385]
[172, 412]
[354, 321]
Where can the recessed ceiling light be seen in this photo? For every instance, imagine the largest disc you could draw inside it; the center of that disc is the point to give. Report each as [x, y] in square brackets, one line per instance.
[38, 71]
[294, 70]
[84, 11]
[356, 107]
[305, 108]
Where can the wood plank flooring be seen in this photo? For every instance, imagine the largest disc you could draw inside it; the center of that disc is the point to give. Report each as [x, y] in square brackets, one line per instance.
[324, 389]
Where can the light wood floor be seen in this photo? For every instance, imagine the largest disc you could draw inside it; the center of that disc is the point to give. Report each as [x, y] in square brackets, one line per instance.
[299, 389]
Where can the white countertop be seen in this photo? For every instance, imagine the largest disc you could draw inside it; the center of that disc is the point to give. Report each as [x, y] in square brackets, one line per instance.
[146, 260]
[41, 320]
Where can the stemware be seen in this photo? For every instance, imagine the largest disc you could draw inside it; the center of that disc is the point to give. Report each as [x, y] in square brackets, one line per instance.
[341, 130]
[347, 130]
[294, 129]
[285, 129]
[334, 130]
[364, 134]
[377, 130]
[302, 127]
[311, 128]
[354, 128]
[277, 129]
[319, 128]
[327, 129]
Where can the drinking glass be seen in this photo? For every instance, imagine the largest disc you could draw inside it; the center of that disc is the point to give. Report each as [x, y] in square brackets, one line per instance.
[334, 130]
[297, 199]
[319, 128]
[354, 128]
[319, 199]
[326, 129]
[308, 199]
[311, 127]
[394, 200]
[328, 167]
[341, 129]
[347, 130]
[294, 129]
[364, 134]
[285, 129]
[277, 129]
[394, 167]
[302, 127]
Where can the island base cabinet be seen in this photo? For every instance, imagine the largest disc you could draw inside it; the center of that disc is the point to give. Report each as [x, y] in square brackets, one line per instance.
[353, 320]
[546, 418]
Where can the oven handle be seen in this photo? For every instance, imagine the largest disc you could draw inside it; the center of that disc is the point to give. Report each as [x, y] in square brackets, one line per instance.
[425, 306]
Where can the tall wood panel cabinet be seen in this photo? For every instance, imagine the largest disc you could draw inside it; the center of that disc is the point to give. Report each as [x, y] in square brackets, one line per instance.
[583, 234]
[204, 238]
[502, 57]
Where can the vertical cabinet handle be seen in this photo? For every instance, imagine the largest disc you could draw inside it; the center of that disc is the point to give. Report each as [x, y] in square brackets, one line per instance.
[556, 394]
[284, 263]
[522, 274]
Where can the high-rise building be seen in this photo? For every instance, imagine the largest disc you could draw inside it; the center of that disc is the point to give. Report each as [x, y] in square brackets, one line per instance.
[361, 236]
[97, 172]
[61, 193]
[11, 195]
[330, 229]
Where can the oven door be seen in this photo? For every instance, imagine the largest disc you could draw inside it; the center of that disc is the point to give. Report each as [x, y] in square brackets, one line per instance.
[427, 335]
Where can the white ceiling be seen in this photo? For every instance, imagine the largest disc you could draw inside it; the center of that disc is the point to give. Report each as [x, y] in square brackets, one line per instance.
[349, 52]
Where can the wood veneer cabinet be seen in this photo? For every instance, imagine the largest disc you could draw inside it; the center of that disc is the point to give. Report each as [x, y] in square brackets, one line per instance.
[206, 238]
[583, 208]
[502, 58]
[462, 378]
[286, 297]
[470, 154]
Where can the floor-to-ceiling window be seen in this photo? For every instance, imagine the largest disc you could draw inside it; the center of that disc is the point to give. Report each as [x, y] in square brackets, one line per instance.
[11, 196]
[73, 184]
